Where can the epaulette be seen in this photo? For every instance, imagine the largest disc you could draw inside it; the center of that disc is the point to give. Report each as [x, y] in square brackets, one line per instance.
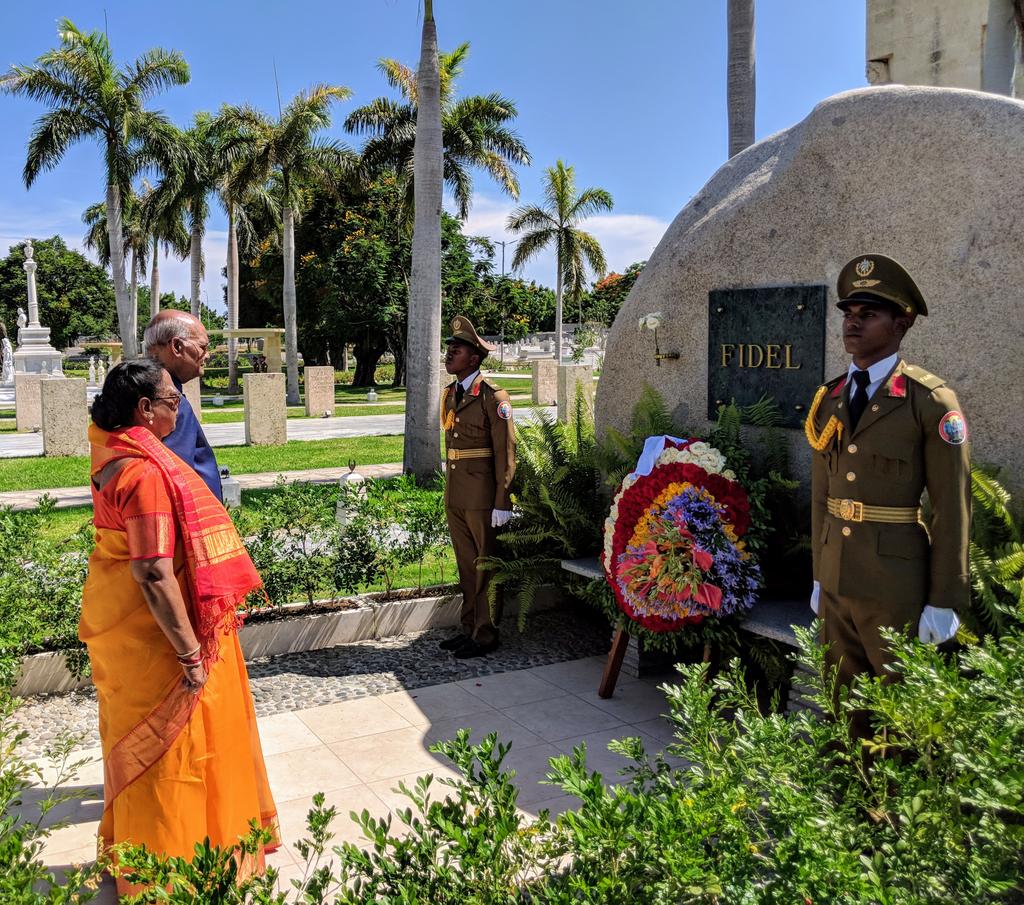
[490, 383]
[835, 381]
[923, 377]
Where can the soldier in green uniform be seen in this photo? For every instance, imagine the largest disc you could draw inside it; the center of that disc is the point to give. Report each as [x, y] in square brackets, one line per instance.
[480, 443]
[882, 434]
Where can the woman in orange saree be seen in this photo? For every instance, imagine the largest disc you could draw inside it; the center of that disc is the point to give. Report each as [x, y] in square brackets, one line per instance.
[181, 751]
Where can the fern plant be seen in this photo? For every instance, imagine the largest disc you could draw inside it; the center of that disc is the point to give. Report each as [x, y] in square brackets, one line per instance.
[996, 556]
[559, 512]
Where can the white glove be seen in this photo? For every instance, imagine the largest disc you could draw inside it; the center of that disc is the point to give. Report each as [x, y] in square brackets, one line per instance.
[815, 594]
[937, 625]
[500, 517]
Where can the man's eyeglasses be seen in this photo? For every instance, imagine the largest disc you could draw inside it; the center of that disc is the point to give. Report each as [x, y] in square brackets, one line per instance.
[172, 401]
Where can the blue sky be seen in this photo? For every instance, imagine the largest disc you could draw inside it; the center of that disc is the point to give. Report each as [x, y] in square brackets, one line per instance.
[631, 94]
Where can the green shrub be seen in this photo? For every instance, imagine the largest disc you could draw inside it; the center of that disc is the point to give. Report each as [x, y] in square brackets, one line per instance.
[24, 878]
[41, 584]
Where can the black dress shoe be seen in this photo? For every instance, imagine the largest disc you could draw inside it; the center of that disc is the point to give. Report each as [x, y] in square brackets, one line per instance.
[454, 643]
[475, 649]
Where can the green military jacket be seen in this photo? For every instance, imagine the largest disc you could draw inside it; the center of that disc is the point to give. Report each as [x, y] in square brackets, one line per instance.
[482, 422]
[911, 438]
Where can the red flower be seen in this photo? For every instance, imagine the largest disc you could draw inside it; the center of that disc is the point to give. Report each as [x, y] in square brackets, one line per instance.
[710, 595]
[702, 559]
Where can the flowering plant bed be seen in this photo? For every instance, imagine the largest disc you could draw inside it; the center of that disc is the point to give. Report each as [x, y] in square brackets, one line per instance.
[674, 552]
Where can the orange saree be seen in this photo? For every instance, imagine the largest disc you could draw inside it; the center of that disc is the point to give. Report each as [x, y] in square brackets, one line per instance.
[177, 767]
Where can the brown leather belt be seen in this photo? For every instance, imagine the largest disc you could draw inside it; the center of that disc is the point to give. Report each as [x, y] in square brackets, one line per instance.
[854, 511]
[481, 453]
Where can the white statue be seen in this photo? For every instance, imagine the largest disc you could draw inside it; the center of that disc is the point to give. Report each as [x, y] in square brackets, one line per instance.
[7, 361]
[101, 373]
[22, 318]
[44, 368]
[92, 370]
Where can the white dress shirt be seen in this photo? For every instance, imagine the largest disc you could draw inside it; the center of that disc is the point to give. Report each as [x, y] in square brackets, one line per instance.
[877, 372]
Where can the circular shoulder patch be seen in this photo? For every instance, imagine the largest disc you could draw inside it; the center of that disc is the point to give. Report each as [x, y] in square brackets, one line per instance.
[953, 428]
[505, 410]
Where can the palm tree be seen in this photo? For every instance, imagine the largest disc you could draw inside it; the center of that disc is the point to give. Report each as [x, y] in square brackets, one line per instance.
[555, 223]
[422, 444]
[191, 172]
[167, 229]
[741, 82]
[90, 97]
[474, 131]
[134, 243]
[291, 149]
[240, 199]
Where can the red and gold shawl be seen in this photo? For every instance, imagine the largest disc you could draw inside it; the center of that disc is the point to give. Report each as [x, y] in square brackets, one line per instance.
[220, 573]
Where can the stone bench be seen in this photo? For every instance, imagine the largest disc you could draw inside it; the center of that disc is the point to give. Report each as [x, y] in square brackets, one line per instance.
[772, 618]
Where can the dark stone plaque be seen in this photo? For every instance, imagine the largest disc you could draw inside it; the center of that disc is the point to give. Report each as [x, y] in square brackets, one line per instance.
[768, 341]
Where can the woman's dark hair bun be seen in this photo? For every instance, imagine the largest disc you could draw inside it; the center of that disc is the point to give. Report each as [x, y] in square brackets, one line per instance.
[127, 382]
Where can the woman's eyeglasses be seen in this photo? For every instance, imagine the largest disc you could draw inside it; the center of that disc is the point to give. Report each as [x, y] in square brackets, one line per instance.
[172, 401]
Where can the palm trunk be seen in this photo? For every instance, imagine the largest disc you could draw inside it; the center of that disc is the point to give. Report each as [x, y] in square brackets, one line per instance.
[741, 82]
[422, 453]
[124, 315]
[196, 260]
[291, 339]
[232, 274]
[133, 294]
[154, 281]
[558, 302]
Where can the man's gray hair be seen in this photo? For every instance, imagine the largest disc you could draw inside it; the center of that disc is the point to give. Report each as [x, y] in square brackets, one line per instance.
[160, 331]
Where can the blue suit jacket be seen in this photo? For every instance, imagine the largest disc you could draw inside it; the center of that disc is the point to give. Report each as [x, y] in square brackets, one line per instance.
[188, 442]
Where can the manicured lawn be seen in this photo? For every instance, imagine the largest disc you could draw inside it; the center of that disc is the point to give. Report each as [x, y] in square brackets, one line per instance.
[236, 415]
[39, 473]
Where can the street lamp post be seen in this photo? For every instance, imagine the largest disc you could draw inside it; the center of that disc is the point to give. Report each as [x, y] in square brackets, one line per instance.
[501, 340]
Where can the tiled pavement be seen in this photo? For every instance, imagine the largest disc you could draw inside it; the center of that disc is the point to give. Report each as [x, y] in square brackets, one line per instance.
[357, 752]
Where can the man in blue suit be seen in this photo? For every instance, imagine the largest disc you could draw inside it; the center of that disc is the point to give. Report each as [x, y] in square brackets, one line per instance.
[179, 342]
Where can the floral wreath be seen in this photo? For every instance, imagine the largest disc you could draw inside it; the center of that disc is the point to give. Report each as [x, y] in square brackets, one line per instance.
[673, 548]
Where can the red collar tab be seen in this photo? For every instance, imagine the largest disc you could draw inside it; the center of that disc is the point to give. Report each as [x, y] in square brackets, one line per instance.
[476, 386]
[838, 389]
[898, 386]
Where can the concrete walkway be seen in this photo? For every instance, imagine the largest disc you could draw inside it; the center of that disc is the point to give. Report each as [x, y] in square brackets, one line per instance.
[233, 433]
[357, 752]
[66, 497]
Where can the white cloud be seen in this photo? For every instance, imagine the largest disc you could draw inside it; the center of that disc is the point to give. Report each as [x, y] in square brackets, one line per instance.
[625, 238]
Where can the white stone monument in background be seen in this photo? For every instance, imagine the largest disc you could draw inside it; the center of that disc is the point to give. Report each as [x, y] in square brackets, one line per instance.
[34, 355]
[6, 363]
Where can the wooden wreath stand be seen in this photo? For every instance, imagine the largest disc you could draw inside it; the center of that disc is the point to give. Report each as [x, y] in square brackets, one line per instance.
[613, 665]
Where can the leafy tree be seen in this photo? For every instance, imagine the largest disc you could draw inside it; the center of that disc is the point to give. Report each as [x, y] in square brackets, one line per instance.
[603, 302]
[213, 320]
[556, 223]
[75, 296]
[474, 131]
[89, 96]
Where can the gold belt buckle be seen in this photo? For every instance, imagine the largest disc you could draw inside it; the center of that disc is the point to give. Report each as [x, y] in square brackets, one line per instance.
[851, 510]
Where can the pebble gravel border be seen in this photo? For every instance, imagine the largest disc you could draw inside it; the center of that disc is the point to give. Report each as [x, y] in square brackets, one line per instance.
[313, 678]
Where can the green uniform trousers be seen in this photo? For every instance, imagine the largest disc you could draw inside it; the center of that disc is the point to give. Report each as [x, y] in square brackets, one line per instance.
[473, 537]
[852, 630]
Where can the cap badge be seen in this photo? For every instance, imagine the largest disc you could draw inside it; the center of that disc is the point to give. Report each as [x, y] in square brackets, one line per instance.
[864, 268]
[457, 324]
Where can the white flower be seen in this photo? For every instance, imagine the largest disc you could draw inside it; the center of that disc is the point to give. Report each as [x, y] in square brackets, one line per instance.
[651, 321]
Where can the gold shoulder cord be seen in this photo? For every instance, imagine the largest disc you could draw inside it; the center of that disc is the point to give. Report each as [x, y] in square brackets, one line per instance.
[447, 418]
[834, 428]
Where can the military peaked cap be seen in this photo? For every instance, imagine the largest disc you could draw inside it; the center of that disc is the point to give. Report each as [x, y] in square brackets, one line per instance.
[874, 276]
[463, 331]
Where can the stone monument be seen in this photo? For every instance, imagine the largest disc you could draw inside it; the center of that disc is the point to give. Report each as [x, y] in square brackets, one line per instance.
[35, 355]
[319, 391]
[940, 192]
[571, 379]
[545, 381]
[6, 362]
[266, 414]
[28, 406]
[65, 416]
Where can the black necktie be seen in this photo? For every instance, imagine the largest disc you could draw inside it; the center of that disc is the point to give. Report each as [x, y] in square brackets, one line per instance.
[460, 391]
[859, 397]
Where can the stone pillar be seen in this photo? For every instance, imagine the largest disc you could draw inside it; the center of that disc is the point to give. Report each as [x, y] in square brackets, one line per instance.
[319, 391]
[545, 381]
[266, 414]
[569, 378]
[28, 411]
[65, 417]
[192, 394]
